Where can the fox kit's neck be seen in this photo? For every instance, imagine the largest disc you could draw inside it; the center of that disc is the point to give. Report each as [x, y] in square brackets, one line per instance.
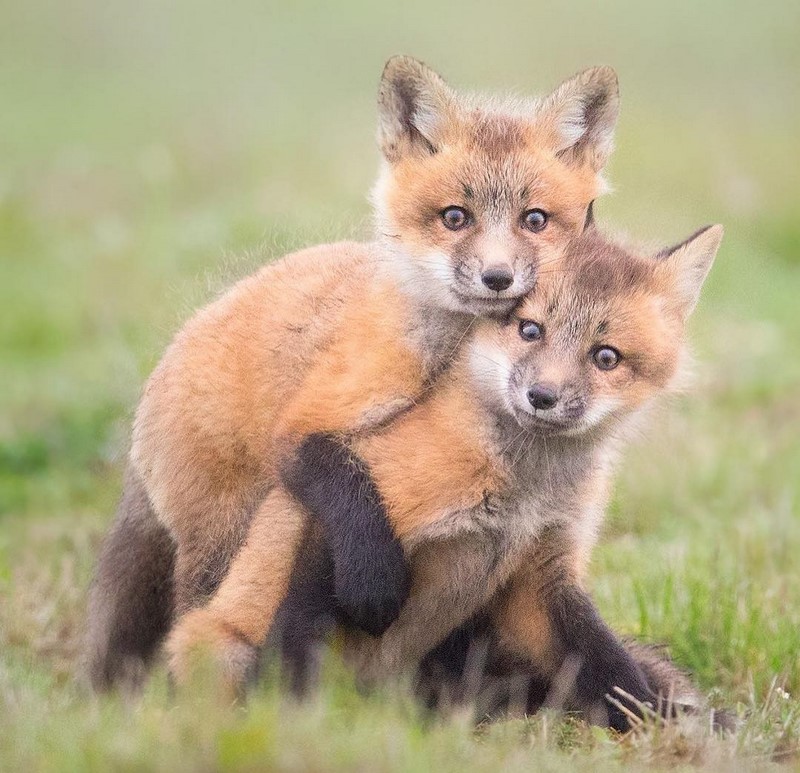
[436, 334]
[431, 329]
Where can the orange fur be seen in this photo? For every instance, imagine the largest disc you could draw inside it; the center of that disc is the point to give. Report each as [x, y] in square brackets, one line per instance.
[458, 455]
[240, 612]
[520, 612]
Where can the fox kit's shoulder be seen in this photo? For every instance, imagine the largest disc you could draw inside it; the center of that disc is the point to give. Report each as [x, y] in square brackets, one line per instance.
[215, 395]
[313, 282]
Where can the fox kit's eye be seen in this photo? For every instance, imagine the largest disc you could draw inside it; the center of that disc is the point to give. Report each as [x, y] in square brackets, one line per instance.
[455, 218]
[534, 220]
[530, 331]
[606, 358]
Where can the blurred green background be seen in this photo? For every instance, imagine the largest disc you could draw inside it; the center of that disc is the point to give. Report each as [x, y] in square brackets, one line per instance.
[152, 152]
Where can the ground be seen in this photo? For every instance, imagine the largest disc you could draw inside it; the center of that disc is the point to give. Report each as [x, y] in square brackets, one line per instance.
[153, 152]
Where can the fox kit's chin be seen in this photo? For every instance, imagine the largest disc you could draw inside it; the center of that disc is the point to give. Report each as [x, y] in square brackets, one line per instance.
[580, 423]
[484, 304]
[498, 305]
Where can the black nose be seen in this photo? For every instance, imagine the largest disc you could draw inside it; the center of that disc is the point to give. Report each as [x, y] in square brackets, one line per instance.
[498, 278]
[542, 397]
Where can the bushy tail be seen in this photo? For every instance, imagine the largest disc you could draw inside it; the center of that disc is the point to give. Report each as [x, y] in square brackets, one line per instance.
[131, 598]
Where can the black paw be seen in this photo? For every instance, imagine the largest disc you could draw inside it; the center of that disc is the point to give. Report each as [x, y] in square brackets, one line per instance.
[622, 688]
[371, 598]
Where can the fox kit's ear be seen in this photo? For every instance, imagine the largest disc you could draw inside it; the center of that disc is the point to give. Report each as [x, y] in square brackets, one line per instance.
[687, 264]
[580, 116]
[414, 107]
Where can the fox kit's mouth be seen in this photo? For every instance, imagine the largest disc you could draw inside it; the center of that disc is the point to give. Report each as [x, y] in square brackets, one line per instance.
[484, 306]
[546, 426]
[548, 422]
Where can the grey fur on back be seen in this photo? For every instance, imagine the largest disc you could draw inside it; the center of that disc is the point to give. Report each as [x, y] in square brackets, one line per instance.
[131, 599]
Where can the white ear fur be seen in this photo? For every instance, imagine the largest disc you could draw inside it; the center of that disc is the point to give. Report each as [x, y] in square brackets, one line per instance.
[689, 262]
[582, 114]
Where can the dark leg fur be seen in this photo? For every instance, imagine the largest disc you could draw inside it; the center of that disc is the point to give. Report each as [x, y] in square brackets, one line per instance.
[131, 599]
[308, 613]
[470, 667]
[371, 576]
[201, 564]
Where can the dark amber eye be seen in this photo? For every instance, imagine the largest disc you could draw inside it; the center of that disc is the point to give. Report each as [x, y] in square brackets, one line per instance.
[606, 358]
[530, 330]
[534, 220]
[455, 218]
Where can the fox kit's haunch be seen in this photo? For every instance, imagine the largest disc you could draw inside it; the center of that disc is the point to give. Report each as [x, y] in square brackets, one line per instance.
[495, 496]
[473, 196]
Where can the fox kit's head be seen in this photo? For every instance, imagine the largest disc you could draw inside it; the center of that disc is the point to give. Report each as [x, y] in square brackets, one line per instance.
[474, 196]
[599, 336]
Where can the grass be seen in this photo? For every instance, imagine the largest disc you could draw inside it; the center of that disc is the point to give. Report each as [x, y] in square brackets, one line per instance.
[151, 153]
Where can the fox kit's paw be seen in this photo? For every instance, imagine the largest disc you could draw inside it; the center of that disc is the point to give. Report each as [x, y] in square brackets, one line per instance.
[371, 595]
[201, 643]
[611, 692]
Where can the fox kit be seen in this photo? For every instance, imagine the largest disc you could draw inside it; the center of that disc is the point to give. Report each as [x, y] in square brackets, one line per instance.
[472, 199]
[496, 482]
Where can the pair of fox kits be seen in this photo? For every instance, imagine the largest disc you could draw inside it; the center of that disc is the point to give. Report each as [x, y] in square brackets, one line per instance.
[416, 434]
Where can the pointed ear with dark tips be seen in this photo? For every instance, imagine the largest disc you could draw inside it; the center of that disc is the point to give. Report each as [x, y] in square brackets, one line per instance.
[414, 108]
[581, 115]
[687, 265]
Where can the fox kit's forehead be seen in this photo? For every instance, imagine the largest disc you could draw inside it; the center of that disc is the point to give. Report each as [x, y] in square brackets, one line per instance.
[493, 133]
[595, 275]
[494, 172]
[502, 163]
[599, 290]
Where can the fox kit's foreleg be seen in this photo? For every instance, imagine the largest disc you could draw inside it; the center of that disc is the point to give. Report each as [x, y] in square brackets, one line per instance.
[308, 614]
[473, 667]
[371, 576]
[544, 615]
